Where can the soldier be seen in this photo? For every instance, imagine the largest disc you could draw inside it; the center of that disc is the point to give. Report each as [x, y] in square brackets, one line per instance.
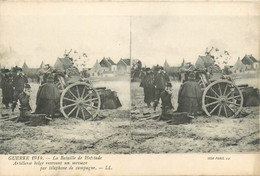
[18, 83]
[24, 100]
[161, 80]
[25, 108]
[147, 83]
[167, 107]
[166, 97]
[47, 98]
[189, 97]
[7, 88]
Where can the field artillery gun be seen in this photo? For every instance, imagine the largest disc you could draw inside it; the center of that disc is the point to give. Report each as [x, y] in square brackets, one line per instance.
[221, 96]
[79, 98]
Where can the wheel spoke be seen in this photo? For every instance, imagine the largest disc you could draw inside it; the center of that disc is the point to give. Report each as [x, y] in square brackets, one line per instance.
[65, 98]
[77, 91]
[77, 113]
[233, 103]
[88, 105]
[225, 110]
[214, 92]
[214, 109]
[230, 109]
[90, 100]
[211, 97]
[238, 96]
[86, 96]
[215, 102]
[220, 92]
[225, 89]
[87, 110]
[73, 104]
[228, 94]
[72, 110]
[83, 92]
[72, 94]
[219, 111]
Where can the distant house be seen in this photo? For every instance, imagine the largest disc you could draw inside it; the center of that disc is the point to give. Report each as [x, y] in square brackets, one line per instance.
[204, 61]
[169, 69]
[29, 71]
[108, 64]
[250, 62]
[42, 65]
[96, 70]
[25, 67]
[62, 64]
[166, 66]
[239, 67]
[124, 66]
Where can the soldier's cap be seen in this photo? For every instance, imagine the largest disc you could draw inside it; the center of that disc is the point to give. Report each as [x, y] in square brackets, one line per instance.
[192, 76]
[27, 86]
[147, 69]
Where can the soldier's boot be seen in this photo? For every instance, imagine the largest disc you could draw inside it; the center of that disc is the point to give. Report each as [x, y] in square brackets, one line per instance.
[13, 106]
[155, 105]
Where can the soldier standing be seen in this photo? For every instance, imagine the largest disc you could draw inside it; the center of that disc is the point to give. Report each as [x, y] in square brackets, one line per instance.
[18, 83]
[189, 97]
[47, 98]
[7, 88]
[147, 83]
[161, 80]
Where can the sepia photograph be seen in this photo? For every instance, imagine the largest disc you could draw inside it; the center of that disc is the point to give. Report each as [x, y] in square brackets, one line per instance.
[65, 84]
[194, 84]
[129, 88]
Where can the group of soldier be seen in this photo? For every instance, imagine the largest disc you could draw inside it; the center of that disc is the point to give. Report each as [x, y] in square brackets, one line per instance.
[157, 86]
[16, 89]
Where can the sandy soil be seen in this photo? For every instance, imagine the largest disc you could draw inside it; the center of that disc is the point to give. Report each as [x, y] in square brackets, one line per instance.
[107, 135]
[203, 135]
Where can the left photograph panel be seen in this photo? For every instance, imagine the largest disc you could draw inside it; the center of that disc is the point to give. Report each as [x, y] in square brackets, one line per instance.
[65, 83]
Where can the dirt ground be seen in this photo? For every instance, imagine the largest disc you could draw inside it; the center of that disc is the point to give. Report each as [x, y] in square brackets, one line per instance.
[115, 133]
[107, 135]
[202, 135]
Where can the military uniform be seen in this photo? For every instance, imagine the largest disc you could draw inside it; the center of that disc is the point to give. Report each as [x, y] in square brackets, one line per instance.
[18, 84]
[25, 108]
[147, 83]
[161, 80]
[47, 98]
[167, 107]
[7, 90]
[189, 97]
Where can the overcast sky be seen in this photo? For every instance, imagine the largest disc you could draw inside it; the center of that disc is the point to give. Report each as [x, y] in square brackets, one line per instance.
[174, 32]
[174, 38]
[36, 38]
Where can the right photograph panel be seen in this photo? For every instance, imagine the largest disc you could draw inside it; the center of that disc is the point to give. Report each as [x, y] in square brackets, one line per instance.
[194, 84]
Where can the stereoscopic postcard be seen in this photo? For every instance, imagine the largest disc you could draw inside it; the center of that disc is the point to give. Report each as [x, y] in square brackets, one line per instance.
[129, 88]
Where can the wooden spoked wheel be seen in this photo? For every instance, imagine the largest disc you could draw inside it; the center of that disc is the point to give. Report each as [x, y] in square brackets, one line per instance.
[80, 100]
[61, 83]
[222, 98]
